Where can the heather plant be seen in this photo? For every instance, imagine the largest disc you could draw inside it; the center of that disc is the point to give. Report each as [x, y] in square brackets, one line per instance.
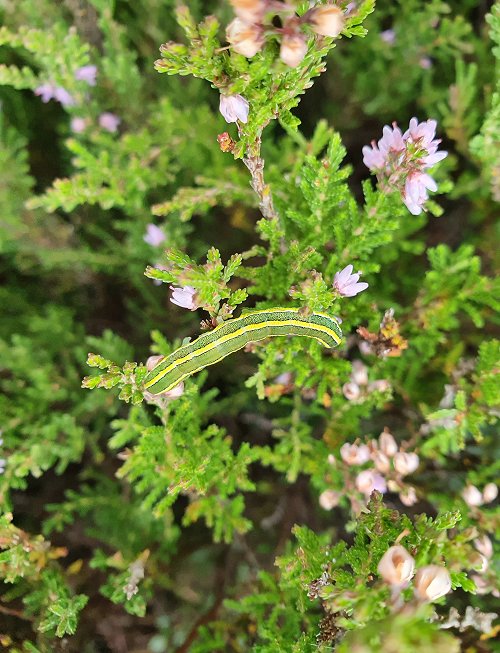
[248, 360]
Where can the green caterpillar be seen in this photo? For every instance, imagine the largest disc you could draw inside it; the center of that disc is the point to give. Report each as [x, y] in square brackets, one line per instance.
[228, 337]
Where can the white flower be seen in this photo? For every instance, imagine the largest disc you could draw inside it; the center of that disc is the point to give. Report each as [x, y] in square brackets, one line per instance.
[346, 283]
[396, 566]
[472, 496]
[408, 496]
[244, 38]
[405, 463]
[78, 125]
[184, 297]
[432, 582]
[484, 546]
[249, 11]
[368, 480]
[490, 492]
[293, 49]
[327, 20]
[329, 499]
[353, 454]
[234, 108]
[359, 372]
[388, 444]
[351, 391]
[109, 121]
[381, 462]
[154, 236]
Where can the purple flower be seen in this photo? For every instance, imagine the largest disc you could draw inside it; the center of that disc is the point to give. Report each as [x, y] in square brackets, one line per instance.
[400, 160]
[425, 63]
[415, 192]
[388, 36]
[234, 108]
[50, 91]
[78, 125]
[369, 480]
[346, 283]
[87, 74]
[109, 121]
[184, 297]
[154, 235]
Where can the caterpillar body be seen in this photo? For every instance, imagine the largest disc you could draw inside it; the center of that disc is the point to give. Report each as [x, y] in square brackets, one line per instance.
[234, 334]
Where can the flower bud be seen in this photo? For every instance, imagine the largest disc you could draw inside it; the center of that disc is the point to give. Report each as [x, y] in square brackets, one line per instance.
[245, 39]
[381, 462]
[432, 582]
[353, 454]
[327, 20]
[234, 108]
[329, 499]
[472, 496]
[478, 562]
[484, 546]
[396, 566]
[380, 385]
[293, 49]
[405, 463]
[388, 444]
[409, 496]
[490, 492]
[250, 11]
[368, 480]
[351, 391]
[153, 362]
[359, 373]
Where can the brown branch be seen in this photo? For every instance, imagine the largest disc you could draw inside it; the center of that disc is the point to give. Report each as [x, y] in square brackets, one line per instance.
[15, 613]
[255, 164]
[204, 619]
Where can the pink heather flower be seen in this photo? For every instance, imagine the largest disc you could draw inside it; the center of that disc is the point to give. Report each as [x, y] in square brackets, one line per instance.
[234, 108]
[109, 121]
[352, 454]
[78, 125]
[405, 463]
[245, 39]
[388, 444]
[87, 74]
[396, 566]
[329, 499]
[425, 63]
[421, 135]
[154, 235]
[50, 91]
[368, 480]
[184, 297]
[415, 192]
[432, 582]
[388, 36]
[472, 496]
[490, 492]
[346, 283]
[351, 391]
[293, 49]
[400, 160]
[359, 373]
